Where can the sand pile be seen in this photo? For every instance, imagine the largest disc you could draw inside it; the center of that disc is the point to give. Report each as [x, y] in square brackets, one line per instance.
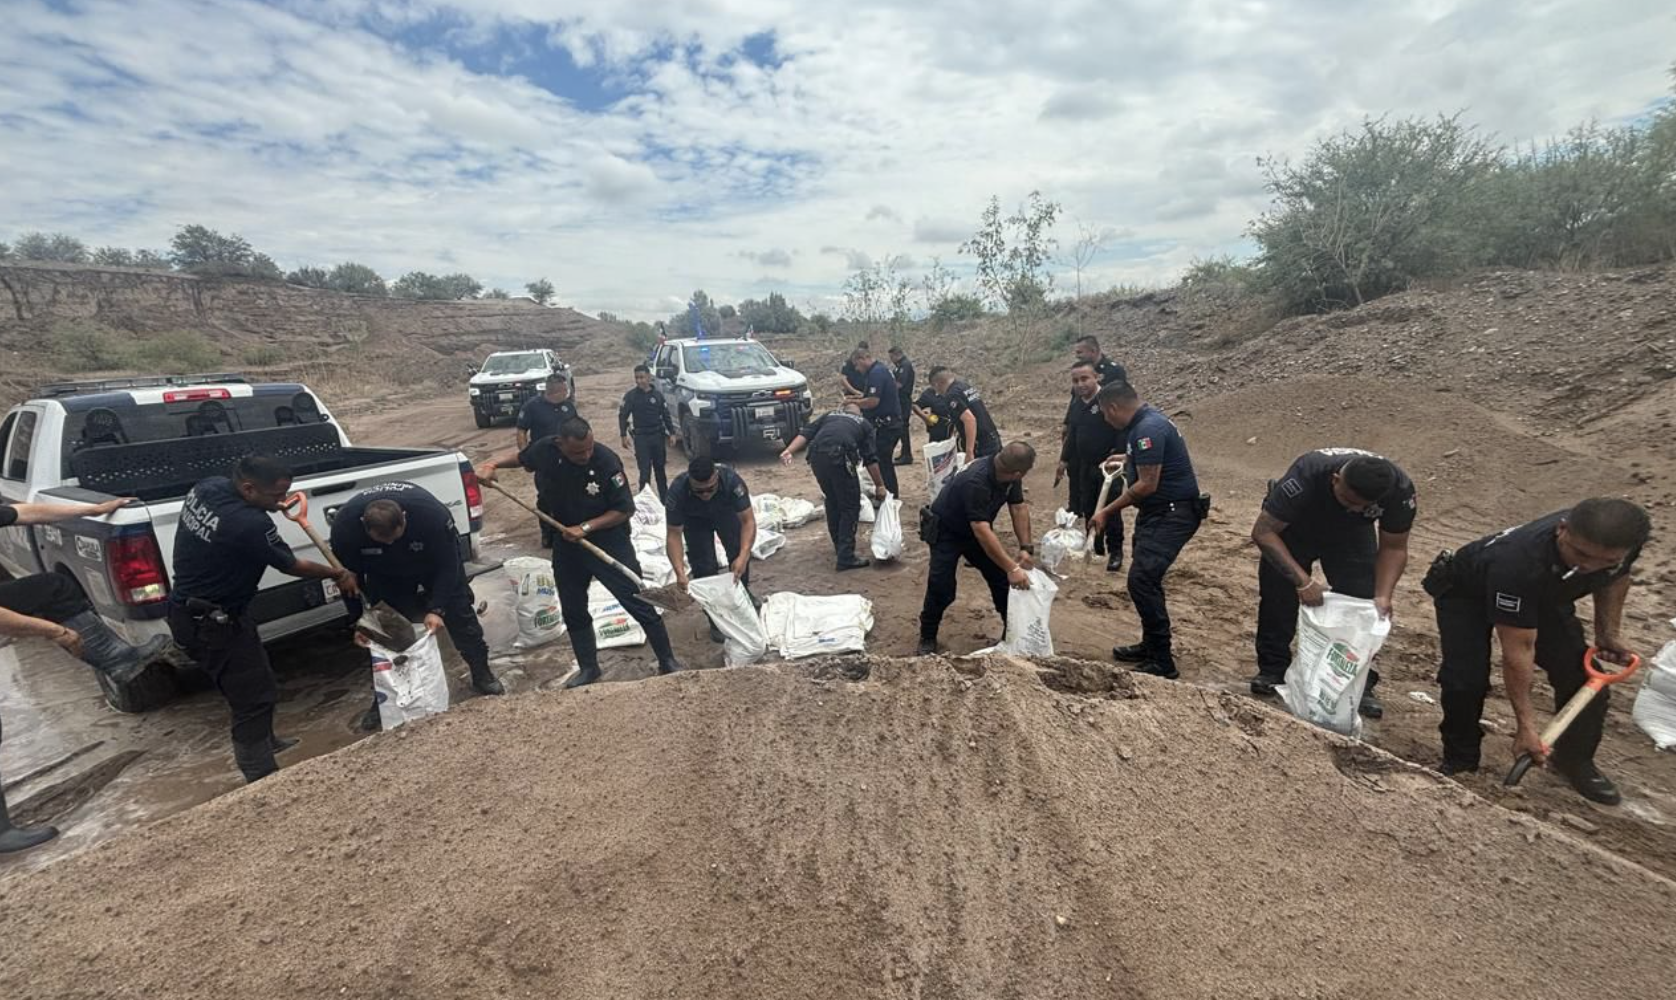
[913, 829]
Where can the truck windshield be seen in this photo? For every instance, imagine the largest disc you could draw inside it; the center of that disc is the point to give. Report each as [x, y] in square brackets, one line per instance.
[729, 359]
[512, 364]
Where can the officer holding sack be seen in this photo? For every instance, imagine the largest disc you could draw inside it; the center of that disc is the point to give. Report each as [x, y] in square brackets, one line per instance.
[837, 443]
[1325, 508]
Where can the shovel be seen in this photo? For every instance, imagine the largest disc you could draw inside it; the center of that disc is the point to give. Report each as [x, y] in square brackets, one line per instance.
[295, 509]
[1105, 494]
[668, 598]
[1598, 680]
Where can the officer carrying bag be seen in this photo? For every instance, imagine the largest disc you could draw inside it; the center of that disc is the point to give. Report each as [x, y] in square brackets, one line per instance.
[928, 526]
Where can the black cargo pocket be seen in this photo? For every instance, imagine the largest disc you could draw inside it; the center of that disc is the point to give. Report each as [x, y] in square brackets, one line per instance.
[1440, 578]
[927, 525]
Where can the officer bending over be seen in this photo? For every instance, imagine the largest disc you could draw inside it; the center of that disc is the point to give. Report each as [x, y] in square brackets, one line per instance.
[837, 443]
[978, 434]
[880, 404]
[963, 527]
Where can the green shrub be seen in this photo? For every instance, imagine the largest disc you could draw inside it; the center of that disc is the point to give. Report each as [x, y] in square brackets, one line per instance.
[86, 347]
[176, 353]
[264, 356]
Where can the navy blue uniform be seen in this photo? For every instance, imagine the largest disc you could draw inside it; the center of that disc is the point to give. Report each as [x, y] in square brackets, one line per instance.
[962, 398]
[852, 377]
[1089, 441]
[652, 427]
[703, 520]
[903, 372]
[420, 573]
[1164, 523]
[886, 418]
[223, 546]
[1515, 578]
[974, 495]
[934, 402]
[571, 494]
[838, 442]
[1109, 371]
[1319, 528]
[541, 418]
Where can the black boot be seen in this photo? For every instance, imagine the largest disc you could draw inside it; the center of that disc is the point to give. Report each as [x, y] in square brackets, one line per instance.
[484, 681]
[845, 542]
[105, 651]
[716, 633]
[1131, 654]
[281, 744]
[584, 676]
[1263, 685]
[670, 665]
[1588, 781]
[255, 760]
[20, 838]
[371, 720]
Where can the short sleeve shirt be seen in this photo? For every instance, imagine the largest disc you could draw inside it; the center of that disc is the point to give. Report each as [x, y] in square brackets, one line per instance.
[881, 385]
[1304, 499]
[8, 515]
[223, 546]
[845, 434]
[1109, 371]
[732, 498]
[903, 372]
[1519, 577]
[962, 398]
[1153, 439]
[542, 418]
[974, 495]
[571, 493]
[1089, 440]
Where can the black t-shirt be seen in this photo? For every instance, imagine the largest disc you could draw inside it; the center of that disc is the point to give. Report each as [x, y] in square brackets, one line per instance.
[974, 495]
[571, 493]
[903, 371]
[428, 552]
[936, 403]
[849, 374]
[842, 434]
[223, 546]
[1153, 439]
[1520, 578]
[1089, 440]
[8, 515]
[881, 385]
[543, 419]
[648, 412]
[961, 398]
[732, 498]
[1109, 371]
[1303, 498]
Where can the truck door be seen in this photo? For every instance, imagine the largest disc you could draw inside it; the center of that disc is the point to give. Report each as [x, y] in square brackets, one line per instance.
[17, 545]
[664, 376]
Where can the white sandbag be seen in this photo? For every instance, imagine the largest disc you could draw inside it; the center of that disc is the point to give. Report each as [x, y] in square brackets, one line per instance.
[768, 542]
[729, 606]
[942, 460]
[1336, 646]
[537, 606]
[409, 684]
[648, 509]
[779, 513]
[868, 516]
[768, 511]
[613, 626]
[1028, 613]
[799, 626]
[887, 530]
[1655, 703]
[1061, 541]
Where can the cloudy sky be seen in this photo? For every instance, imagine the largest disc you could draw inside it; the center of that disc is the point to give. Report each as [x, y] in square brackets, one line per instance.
[632, 152]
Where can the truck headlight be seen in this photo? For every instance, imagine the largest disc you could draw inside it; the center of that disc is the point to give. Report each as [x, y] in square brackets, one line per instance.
[474, 390]
[700, 403]
[541, 387]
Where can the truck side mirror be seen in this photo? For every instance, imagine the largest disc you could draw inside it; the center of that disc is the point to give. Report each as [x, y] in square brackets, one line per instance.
[666, 373]
[471, 369]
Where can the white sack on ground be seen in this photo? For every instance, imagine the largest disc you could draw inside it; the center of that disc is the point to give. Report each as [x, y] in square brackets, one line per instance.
[799, 626]
[1655, 703]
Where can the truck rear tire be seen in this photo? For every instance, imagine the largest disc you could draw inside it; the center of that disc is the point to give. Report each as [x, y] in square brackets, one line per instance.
[151, 689]
[693, 440]
[483, 419]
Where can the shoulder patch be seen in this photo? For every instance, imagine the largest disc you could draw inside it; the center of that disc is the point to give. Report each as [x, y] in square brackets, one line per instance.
[1291, 487]
[1509, 603]
[1144, 443]
[617, 479]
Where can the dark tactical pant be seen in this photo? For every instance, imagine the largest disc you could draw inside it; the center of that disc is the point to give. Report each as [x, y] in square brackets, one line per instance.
[1086, 480]
[941, 583]
[887, 435]
[232, 654]
[651, 454]
[1464, 629]
[906, 405]
[52, 596]
[1160, 534]
[1347, 560]
[700, 535]
[575, 567]
[841, 489]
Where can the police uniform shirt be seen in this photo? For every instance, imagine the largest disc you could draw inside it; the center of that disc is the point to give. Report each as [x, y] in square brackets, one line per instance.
[224, 545]
[1154, 440]
[542, 418]
[843, 434]
[1089, 440]
[1304, 497]
[849, 374]
[903, 372]
[1109, 371]
[882, 387]
[1519, 574]
[936, 403]
[961, 398]
[8, 515]
[571, 493]
[647, 411]
[974, 495]
[732, 498]
[427, 553]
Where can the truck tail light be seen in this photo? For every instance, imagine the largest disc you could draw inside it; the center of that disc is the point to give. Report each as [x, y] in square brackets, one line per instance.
[474, 495]
[136, 568]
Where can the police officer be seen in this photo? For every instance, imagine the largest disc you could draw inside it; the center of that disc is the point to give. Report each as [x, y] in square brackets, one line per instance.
[707, 502]
[645, 408]
[1165, 491]
[402, 546]
[902, 370]
[963, 516]
[541, 417]
[1325, 508]
[1089, 442]
[52, 607]
[225, 541]
[933, 408]
[978, 434]
[850, 380]
[1087, 349]
[880, 403]
[837, 443]
[1522, 585]
[582, 485]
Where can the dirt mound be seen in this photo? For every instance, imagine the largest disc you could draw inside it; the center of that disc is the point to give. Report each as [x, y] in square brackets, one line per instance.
[933, 830]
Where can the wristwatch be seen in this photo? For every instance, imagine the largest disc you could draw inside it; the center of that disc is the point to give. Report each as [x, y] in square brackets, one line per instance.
[586, 527]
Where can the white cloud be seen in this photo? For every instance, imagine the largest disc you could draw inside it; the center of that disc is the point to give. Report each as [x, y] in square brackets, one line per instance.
[320, 140]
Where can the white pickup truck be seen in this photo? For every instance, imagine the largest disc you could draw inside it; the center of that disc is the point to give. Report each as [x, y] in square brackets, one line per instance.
[153, 438]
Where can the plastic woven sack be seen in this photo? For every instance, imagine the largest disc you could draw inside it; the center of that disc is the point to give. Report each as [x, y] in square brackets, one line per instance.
[409, 684]
[729, 606]
[1655, 702]
[1336, 646]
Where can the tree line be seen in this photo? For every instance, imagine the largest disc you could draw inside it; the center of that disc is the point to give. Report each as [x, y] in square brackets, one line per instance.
[202, 251]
